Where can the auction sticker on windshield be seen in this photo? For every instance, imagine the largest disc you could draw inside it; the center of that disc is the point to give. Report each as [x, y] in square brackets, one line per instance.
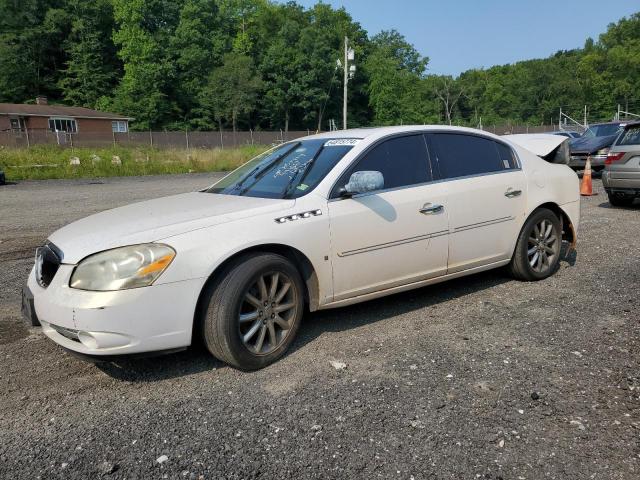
[342, 142]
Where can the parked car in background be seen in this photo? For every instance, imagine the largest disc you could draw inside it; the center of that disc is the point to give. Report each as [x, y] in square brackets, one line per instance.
[316, 223]
[595, 144]
[621, 176]
[3, 179]
[564, 133]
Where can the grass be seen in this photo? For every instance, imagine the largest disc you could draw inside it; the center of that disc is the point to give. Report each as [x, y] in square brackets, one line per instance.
[45, 162]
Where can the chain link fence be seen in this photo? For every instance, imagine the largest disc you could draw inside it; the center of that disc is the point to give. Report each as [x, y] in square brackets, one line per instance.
[190, 140]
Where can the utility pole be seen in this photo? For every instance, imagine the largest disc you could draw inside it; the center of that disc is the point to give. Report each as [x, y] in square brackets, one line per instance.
[349, 73]
[585, 117]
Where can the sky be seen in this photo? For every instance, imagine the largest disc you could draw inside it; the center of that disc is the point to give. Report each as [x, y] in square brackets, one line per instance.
[461, 34]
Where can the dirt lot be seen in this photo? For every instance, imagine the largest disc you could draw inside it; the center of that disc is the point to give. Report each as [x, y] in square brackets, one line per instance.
[482, 377]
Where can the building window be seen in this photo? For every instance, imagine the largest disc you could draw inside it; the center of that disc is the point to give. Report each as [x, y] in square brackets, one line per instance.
[63, 125]
[119, 126]
[18, 124]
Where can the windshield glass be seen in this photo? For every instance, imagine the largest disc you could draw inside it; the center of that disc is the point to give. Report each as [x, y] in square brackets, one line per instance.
[604, 130]
[287, 171]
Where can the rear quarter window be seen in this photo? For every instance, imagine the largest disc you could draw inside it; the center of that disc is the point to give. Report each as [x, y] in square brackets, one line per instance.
[631, 136]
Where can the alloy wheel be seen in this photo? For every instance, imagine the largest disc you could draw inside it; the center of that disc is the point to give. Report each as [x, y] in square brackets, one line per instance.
[544, 246]
[267, 312]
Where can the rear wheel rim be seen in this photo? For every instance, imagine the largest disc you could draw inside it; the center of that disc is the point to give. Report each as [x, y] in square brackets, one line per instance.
[543, 246]
[267, 313]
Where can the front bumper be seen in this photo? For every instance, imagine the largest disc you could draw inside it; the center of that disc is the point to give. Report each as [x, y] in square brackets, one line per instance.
[126, 322]
[580, 161]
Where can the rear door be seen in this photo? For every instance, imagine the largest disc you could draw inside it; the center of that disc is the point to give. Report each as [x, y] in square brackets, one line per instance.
[394, 236]
[486, 197]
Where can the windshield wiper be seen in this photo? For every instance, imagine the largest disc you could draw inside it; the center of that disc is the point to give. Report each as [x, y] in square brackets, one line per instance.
[305, 171]
[259, 174]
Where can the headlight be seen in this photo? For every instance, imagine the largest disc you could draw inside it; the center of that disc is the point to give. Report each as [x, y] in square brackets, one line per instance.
[604, 152]
[122, 268]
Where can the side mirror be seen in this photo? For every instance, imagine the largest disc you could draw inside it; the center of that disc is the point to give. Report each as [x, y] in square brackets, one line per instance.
[363, 182]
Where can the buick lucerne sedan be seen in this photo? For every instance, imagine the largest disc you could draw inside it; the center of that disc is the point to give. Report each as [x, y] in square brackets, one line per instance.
[316, 223]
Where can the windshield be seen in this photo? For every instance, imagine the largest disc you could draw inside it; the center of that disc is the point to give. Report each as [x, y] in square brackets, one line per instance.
[604, 130]
[287, 171]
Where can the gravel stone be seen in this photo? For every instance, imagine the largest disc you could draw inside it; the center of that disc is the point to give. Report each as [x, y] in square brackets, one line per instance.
[257, 425]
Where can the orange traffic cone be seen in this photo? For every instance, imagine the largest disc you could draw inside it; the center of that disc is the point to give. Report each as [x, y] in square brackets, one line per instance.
[586, 188]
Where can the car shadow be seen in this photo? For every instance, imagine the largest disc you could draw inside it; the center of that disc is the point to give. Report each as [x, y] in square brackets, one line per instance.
[197, 359]
[162, 367]
[634, 206]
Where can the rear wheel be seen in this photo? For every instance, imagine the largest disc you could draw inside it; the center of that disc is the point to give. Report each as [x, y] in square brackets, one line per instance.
[537, 251]
[620, 200]
[254, 311]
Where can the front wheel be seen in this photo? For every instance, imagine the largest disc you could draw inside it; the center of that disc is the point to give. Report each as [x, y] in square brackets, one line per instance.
[537, 251]
[253, 312]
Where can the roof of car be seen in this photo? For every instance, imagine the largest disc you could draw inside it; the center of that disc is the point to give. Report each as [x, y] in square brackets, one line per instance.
[378, 132]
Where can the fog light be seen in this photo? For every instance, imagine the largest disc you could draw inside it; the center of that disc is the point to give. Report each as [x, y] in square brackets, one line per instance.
[88, 340]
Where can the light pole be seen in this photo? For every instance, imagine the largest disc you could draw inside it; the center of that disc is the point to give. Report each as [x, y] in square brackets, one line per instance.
[349, 73]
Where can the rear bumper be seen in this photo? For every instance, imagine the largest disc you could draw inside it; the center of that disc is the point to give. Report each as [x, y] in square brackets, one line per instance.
[628, 184]
[141, 320]
[580, 161]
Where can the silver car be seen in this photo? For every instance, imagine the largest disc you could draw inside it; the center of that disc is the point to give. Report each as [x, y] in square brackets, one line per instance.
[621, 177]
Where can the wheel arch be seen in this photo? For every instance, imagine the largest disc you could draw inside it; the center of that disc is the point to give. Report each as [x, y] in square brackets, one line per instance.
[299, 260]
[568, 229]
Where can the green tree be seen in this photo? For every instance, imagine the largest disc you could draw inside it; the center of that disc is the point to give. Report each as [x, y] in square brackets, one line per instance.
[31, 32]
[199, 45]
[232, 89]
[143, 34]
[92, 68]
[395, 70]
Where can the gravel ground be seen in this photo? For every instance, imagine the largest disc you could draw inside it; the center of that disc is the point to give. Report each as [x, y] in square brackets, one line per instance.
[482, 377]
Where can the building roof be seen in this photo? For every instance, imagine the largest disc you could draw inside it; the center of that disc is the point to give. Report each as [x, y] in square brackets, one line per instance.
[26, 110]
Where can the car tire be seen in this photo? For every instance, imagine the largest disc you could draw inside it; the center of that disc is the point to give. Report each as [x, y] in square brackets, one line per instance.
[248, 321]
[537, 251]
[620, 200]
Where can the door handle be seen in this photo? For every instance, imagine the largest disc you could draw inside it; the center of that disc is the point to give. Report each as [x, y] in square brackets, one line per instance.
[511, 193]
[430, 209]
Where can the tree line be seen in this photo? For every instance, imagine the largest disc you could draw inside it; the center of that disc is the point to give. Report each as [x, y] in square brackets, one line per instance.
[208, 64]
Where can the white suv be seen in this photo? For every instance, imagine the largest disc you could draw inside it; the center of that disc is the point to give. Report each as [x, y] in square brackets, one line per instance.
[315, 223]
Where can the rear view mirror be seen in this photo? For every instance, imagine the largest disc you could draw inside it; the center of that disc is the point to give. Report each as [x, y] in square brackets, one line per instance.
[363, 182]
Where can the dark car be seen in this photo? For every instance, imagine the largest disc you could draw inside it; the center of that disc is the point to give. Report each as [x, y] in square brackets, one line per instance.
[3, 180]
[565, 133]
[594, 143]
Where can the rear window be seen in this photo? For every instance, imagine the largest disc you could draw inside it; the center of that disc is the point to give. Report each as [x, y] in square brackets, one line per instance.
[631, 136]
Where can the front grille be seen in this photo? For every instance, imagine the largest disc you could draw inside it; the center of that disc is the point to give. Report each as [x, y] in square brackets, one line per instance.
[69, 333]
[48, 259]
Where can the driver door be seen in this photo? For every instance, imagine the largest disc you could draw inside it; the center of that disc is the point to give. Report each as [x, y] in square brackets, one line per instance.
[395, 236]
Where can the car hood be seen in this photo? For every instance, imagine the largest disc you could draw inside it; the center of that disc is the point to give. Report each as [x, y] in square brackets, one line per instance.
[591, 144]
[154, 220]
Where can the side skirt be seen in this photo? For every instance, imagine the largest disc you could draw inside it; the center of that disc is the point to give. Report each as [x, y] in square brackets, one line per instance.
[412, 286]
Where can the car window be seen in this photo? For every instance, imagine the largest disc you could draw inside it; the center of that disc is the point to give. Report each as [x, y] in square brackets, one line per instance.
[460, 155]
[402, 161]
[506, 155]
[631, 136]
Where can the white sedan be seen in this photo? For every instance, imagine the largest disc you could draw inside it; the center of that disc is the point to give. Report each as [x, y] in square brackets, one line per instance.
[316, 223]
